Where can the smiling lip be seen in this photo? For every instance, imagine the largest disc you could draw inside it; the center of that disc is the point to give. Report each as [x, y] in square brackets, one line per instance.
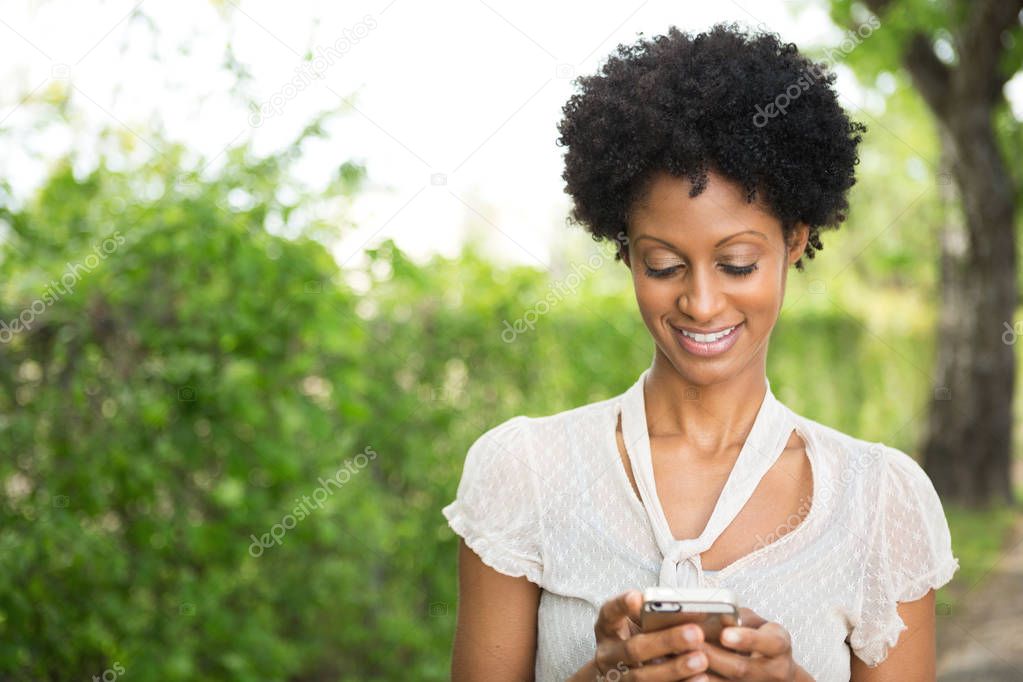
[707, 349]
[693, 330]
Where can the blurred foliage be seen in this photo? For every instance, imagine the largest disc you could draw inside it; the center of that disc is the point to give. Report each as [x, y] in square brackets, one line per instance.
[202, 377]
[199, 382]
[187, 376]
[937, 19]
[879, 53]
[202, 374]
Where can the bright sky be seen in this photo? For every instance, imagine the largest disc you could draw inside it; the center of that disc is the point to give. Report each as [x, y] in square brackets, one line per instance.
[456, 103]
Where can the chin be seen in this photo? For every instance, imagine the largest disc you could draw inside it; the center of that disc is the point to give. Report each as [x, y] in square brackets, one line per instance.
[696, 371]
[707, 371]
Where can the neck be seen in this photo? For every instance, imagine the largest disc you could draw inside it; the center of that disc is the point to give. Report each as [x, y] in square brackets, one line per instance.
[708, 419]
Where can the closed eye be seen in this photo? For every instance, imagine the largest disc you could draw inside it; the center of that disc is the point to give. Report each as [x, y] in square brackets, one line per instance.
[735, 271]
[665, 272]
[740, 271]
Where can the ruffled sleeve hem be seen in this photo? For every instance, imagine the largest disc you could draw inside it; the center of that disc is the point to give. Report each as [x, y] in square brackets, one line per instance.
[876, 651]
[492, 552]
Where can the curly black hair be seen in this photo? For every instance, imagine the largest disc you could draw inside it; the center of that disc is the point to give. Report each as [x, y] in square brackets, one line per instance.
[746, 106]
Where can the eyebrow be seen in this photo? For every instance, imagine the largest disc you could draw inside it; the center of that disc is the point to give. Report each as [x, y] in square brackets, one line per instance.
[719, 243]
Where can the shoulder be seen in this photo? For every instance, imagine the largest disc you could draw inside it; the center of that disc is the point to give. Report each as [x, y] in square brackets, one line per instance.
[848, 457]
[536, 431]
[902, 473]
[868, 477]
[575, 421]
[889, 499]
[907, 497]
[538, 446]
[501, 448]
[907, 551]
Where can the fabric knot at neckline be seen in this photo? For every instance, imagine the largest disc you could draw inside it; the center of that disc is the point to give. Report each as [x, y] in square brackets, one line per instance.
[681, 565]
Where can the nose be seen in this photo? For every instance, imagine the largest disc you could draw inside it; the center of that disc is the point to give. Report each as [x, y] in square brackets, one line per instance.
[701, 298]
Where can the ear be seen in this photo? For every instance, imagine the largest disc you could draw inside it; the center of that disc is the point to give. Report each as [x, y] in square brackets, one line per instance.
[797, 242]
[623, 250]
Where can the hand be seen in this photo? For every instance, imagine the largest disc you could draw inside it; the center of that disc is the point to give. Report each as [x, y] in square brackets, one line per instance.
[625, 653]
[764, 653]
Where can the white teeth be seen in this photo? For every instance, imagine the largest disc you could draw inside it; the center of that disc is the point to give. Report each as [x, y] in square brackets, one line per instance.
[707, 338]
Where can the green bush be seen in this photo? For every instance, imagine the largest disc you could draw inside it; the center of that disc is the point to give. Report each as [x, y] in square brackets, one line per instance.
[208, 375]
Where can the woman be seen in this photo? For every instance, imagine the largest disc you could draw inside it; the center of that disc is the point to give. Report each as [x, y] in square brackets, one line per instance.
[684, 152]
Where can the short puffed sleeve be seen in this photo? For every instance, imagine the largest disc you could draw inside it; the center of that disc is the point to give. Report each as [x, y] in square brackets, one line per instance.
[496, 506]
[909, 551]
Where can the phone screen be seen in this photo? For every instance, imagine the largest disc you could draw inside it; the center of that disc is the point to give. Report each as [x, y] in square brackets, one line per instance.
[711, 615]
[711, 623]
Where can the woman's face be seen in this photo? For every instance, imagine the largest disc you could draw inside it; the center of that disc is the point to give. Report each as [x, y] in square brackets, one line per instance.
[704, 264]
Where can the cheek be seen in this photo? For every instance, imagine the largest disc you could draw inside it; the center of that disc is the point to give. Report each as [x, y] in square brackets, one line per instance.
[762, 290]
[758, 300]
[653, 296]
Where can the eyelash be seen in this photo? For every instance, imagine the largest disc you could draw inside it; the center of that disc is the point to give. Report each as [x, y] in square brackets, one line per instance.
[744, 271]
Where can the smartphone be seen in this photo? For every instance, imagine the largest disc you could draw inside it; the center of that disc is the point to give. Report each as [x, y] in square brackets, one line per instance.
[712, 608]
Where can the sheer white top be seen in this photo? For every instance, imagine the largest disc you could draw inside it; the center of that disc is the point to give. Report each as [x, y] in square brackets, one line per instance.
[548, 498]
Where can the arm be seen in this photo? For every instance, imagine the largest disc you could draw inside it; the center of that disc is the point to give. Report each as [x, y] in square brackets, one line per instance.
[912, 659]
[495, 636]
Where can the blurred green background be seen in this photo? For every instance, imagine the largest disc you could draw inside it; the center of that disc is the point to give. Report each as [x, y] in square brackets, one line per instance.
[207, 373]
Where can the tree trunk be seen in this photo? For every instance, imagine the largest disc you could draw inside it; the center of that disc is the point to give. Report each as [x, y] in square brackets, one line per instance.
[967, 449]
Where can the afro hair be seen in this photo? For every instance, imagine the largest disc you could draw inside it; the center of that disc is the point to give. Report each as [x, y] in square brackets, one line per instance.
[748, 107]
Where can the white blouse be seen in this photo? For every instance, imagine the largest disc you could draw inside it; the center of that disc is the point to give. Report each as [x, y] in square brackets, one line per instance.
[548, 498]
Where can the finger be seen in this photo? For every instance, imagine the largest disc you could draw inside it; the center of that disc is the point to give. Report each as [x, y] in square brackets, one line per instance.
[728, 664]
[690, 666]
[770, 639]
[651, 647]
[751, 618]
[702, 677]
[678, 639]
[615, 614]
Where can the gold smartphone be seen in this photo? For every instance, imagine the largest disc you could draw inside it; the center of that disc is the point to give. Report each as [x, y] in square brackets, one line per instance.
[712, 608]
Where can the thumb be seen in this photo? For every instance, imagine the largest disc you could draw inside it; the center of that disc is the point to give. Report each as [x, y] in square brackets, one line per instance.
[619, 616]
[634, 600]
[750, 618]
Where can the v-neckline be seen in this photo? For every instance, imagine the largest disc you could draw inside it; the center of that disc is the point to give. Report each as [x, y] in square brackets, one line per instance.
[772, 427]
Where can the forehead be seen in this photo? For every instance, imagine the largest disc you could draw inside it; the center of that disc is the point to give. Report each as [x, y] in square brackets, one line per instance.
[667, 212]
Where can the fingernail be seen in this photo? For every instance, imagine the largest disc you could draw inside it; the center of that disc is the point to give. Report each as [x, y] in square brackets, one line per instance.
[690, 634]
[696, 662]
[730, 636]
